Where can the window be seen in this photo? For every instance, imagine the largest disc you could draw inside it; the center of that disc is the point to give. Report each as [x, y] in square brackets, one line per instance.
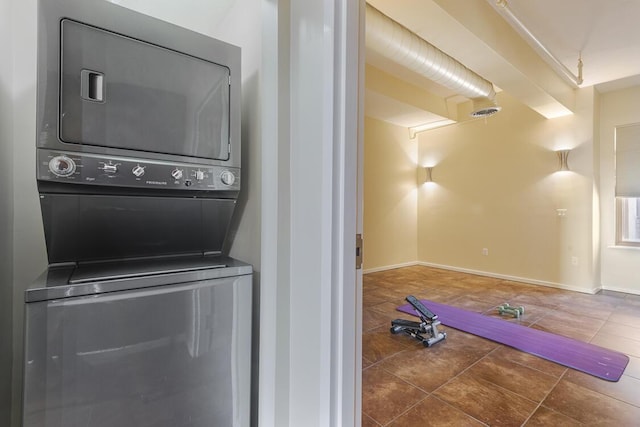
[627, 157]
[628, 220]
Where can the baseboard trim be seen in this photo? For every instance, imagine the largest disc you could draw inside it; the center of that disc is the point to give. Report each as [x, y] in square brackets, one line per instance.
[496, 276]
[390, 267]
[513, 278]
[623, 290]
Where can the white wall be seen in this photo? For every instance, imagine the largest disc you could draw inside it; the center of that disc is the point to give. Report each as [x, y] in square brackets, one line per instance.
[29, 255]
[6, 209]
[619, 264]
[274, 320]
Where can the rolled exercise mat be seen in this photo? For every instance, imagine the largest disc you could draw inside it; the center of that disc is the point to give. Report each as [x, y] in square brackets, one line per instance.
[591, 359]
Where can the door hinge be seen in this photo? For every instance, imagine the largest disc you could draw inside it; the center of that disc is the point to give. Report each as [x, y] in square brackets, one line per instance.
[358, 251]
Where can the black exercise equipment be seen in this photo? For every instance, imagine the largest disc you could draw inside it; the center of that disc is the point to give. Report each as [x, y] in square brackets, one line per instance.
[428, 325]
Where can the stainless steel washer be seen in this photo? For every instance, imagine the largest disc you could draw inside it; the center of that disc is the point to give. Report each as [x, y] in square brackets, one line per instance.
[139, 343]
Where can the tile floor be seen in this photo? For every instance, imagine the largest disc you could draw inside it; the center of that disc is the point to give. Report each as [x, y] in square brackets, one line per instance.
[470, 381]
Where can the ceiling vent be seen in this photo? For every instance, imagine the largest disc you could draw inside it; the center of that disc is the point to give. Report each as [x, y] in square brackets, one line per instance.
[390, 39]
[484, 107]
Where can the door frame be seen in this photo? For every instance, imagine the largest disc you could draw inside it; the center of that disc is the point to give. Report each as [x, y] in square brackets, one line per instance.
[309, 364]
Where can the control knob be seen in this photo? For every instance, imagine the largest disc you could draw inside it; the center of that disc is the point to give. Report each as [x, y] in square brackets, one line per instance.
[199, 175]
[227, 177]
[109, 168]
[62, 166]
[176, 173]
[138, 171]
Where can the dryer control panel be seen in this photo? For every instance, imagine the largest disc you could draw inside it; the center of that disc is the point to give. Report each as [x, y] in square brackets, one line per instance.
[90, 169]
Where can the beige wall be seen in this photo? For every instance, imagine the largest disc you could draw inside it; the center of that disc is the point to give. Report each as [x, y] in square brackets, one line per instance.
[619, 265]
[390, 198]
[496, 187]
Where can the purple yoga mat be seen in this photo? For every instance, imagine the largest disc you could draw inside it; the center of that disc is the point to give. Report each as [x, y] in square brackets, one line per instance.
[591, 359]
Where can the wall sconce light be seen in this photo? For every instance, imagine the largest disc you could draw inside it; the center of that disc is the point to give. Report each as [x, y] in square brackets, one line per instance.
[563, 155]
[428, 176]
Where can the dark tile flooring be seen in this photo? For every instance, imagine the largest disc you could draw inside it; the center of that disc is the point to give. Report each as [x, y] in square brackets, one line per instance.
[470, 381]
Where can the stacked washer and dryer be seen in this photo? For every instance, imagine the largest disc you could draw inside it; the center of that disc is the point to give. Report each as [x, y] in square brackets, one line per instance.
[139, 320]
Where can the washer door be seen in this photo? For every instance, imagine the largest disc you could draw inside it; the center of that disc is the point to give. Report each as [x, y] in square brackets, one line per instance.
[175, 355]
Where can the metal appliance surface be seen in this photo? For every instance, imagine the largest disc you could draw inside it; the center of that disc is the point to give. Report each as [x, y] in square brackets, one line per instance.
[140, 319]
[118, 83]
[138, 134]
[153, 349]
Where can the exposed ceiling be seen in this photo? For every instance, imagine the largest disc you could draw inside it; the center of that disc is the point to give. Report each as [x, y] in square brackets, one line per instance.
[606, 34]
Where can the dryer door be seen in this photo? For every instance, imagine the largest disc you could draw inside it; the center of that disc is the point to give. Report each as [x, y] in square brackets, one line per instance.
[119, 92]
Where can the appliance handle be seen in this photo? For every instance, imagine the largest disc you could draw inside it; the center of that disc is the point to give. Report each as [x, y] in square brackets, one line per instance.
[92, 85]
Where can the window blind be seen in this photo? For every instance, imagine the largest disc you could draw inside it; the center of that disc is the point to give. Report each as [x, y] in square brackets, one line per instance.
[627, 146]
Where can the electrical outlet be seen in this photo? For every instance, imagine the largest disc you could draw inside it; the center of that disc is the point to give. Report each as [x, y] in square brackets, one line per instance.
[574, 260]
[485, 251]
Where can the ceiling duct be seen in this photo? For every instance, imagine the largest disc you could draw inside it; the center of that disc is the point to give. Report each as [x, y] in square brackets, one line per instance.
[390, 39]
